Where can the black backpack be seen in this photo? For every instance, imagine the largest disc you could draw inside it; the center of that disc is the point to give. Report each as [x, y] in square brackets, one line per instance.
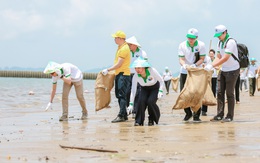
[243, 54]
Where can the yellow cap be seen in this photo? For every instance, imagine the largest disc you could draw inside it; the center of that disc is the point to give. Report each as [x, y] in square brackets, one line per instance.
[119, 34]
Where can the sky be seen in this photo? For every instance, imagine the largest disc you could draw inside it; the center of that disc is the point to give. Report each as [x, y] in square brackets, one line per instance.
[34, 32]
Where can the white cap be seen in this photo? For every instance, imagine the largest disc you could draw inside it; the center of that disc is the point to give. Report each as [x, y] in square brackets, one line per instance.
[219, 30]
[133, 40]
[192, 33]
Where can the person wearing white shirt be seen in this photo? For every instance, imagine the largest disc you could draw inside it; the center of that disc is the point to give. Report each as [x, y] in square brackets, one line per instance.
[136, 52]
[167, 76]
[228, 75]
[152, 85]
[191, 53]
[208, 60]
[251, 74]
[71, 76]
[243, 78]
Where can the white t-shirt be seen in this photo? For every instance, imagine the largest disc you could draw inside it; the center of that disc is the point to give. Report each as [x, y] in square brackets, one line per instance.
[69, 70]
[251, 71]
[167, 76]
[134, 56]
[229, 47]
[150, 81]
[243, 73]
[189, 52]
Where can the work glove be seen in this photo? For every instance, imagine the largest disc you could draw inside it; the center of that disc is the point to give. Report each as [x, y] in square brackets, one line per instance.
[256, 76]
[129, 109]
[208, 67]
[185, 66]
[193, 66]
[160, 94]
[49, 106]
[104, 72]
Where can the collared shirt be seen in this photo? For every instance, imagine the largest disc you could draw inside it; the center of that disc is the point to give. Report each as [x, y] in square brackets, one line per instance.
[134, 55]
[152, 76]
[188, 52]
[69, 70]
[228, 47]
[252, 71]
[123, 51]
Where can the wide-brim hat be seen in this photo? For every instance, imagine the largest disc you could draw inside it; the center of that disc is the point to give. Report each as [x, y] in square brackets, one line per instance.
[133, 40]
[140, 62]
[51, 67]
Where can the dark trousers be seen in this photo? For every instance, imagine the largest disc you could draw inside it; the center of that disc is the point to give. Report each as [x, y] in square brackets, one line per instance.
[237, 88]
[167, 85]
[122, 86]
[138, 90]
[147, 99]
[183, 78]
[213, 88]
[252, 83]
[226, 83]
[136, 100]
[129, 90]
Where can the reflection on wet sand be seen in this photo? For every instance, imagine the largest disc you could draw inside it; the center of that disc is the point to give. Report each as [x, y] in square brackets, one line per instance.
[226, 133]
[32, 129]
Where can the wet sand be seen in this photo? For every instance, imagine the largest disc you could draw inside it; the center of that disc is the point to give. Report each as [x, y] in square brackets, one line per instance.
[33, 135]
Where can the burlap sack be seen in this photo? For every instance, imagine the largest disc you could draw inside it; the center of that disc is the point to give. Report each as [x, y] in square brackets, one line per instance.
[209, 98]
[175, 83]
[194, 89]
[103, 86]
[258, 83]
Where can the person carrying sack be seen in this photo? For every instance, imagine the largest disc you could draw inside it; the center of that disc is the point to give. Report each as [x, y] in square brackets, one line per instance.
[191, 54]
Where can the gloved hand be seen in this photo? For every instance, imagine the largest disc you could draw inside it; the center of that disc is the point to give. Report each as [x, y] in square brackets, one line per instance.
[49, 106]
[185, 66]
[208, 67]
[256, 76]
[129, 109]
[104, 72]
[193, 66]
[160, 94]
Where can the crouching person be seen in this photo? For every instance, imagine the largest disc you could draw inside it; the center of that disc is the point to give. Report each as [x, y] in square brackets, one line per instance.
[71, 76]
[152, 84]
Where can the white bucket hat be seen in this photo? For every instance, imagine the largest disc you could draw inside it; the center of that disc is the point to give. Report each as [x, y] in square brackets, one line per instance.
[133, 40]
[140, 62]
[51, 67]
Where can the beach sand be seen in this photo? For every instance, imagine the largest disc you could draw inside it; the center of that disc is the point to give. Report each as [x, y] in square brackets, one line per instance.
[33, 135]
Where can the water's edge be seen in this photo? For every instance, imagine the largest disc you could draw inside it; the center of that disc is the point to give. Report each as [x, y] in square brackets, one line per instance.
[38, 74]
